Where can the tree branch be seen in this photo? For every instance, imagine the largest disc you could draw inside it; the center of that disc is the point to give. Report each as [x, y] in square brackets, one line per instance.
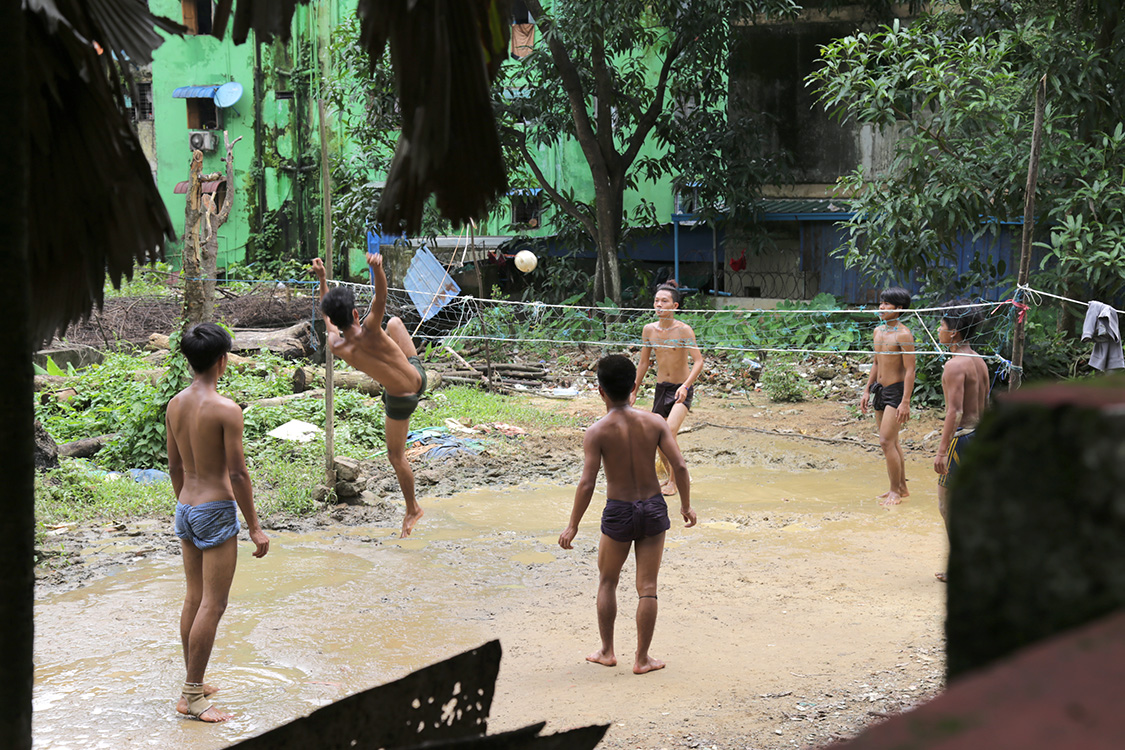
[648, 120]
[228, 200]
[572, 208]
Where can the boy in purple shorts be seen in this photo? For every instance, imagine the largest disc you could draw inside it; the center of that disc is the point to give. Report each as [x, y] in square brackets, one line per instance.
[626, 440]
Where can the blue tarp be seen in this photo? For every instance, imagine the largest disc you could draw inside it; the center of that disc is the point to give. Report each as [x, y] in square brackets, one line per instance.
[428, 284]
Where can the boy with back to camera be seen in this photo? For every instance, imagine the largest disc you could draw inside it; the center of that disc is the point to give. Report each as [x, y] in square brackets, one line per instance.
[964, 384]
[209, 476]
[625, 441]
[671, 341]
[889, 387]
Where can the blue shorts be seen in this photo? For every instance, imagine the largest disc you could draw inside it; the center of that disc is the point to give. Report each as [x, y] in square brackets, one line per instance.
[207, 525]
[627, 522]
[954, 455]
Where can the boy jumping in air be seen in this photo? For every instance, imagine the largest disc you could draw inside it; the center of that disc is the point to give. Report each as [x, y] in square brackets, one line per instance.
[890, 385]
[625, 441]
[388, 357]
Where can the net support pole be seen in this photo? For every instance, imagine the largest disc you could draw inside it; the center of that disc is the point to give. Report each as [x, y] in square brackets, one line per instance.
[480, 285]
[1016, 378]
[329, 410]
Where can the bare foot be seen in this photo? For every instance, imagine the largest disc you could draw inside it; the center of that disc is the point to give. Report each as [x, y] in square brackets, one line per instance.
[880, 497]
[408, 522]
[668, 486]
[892, 498]
[941, 577]
[601, 657]
[209, 690]
[212, 715]
[648, 665]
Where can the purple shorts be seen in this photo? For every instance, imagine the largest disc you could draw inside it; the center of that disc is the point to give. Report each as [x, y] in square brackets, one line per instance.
[627, 522]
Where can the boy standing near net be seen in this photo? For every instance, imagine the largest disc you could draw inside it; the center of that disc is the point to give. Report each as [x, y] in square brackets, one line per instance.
[209, 476]
[388, 357]
[964, 384]
[672, 341]
[625, 441]
[890, 385]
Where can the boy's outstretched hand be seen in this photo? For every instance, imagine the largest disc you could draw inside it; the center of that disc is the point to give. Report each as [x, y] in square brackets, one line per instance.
[318, 268]
[567, 536]
[375, 260]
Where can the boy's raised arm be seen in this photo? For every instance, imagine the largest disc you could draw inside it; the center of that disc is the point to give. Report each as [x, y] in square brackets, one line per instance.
[379, 301]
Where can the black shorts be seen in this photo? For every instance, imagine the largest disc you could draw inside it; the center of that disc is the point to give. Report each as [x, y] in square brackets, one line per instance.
[883, 396]
[665, 398]
[627, 522]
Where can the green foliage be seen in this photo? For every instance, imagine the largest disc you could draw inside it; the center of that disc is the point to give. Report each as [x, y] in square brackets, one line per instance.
[956, 90]
[832, 331]
[781, 381]
[79, 491]
[147, 281]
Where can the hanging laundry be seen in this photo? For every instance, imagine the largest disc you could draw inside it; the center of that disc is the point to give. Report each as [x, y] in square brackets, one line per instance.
[1101, 328]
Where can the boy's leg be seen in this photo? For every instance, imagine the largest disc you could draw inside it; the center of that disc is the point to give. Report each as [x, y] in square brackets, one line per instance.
[676, 419]
[396, 329]
[611, 557]
[892, 451]
[649, 551]
[209, 574]
[396, 431]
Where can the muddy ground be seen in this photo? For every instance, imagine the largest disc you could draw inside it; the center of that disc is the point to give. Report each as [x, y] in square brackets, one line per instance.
[789, 619]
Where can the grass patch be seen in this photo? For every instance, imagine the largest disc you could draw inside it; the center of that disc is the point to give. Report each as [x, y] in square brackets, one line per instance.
[78, 491]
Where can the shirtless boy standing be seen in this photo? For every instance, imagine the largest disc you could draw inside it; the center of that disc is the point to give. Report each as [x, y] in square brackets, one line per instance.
[964, 383]
[890, 386]
[388, 356]
[625, 440]
[208, 470]
[672, 341]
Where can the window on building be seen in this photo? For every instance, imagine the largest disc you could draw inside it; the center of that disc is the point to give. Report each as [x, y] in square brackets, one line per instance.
[202, 114]
[198, 15]
[687, 199]
[523, 30]
[527, 209]
[142, 107]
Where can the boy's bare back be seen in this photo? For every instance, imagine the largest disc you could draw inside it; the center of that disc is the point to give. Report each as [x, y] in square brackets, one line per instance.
[624, 442]
[205, 436]
[965, 381]
[372, 351]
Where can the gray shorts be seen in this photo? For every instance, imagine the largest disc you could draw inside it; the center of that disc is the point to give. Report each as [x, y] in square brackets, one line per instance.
[206, 525]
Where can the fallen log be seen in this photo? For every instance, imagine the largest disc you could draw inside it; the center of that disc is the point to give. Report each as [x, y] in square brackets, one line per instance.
[292, 342]
[282, 400]
[86, 447]
[304, 378]
[51, 382]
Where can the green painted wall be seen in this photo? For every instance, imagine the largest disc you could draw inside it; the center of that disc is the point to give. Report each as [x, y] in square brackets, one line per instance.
[277, 207]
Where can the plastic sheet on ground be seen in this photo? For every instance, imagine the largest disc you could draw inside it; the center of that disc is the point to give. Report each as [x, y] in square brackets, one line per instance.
[436, 442]
[295, 429]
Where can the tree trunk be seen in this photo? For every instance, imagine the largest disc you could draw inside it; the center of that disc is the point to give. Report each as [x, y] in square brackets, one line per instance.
[17, 522]
[192, 266]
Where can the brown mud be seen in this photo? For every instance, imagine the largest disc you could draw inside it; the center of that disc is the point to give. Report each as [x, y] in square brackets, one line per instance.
[797, 612]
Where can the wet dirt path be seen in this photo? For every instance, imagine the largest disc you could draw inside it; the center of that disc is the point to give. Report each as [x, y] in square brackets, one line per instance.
[797, 610]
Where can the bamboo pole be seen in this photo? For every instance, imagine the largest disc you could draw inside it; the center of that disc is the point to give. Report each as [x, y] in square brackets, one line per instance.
[329, 408]
[1016, 378]
[480, 286]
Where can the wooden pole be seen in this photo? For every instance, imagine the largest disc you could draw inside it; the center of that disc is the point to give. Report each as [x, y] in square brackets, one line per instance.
[329, 409]
[1016, 378]
[480, 285]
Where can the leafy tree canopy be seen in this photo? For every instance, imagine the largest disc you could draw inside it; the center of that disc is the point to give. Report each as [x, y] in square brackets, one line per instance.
[958, 90]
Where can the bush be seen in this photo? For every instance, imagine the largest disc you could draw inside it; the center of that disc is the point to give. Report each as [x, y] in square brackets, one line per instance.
[782, 382]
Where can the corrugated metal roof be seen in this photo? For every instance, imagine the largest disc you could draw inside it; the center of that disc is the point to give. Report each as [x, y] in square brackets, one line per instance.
[195, 92]
[803, 209]
[208, 187]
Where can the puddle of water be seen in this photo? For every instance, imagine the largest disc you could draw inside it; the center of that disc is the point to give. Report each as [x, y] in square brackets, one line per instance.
[332, 612]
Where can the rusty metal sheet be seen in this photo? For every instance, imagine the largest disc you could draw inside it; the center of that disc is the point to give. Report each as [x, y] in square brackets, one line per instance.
[444, 701]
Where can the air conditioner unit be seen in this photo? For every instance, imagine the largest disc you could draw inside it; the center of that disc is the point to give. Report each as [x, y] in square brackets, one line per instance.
[201, 140]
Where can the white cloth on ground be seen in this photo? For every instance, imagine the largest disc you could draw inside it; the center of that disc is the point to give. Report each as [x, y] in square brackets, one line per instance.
[1100, 327]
